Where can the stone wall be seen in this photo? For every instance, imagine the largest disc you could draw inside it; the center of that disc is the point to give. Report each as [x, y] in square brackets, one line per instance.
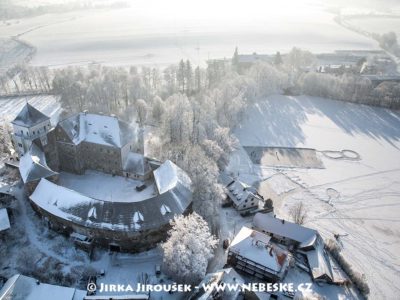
[127, 240]
[102, 158]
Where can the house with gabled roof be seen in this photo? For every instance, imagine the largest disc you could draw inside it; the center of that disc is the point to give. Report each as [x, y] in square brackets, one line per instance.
[286, 232]
[305, 241]
[245, 198]
[253, 253]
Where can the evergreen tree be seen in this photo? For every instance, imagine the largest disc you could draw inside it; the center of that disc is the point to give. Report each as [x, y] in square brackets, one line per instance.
[189, 77]
[180, 76]
[278, 59]
[235, 60]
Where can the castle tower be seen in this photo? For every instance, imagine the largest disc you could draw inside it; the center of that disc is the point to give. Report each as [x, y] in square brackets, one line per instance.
[29, 124]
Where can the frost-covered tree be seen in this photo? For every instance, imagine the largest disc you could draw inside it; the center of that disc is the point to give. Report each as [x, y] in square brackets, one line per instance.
[158, 109]
[180, 76]
[268, 79]
[298, 59]
[188, 249]
[178, 125]
[141, 109]
[189, 77]
[235, 60]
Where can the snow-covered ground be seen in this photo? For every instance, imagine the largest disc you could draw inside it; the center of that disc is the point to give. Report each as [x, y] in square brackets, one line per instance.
[158, 33]
[359, 199]
[377, 24]
[106, 187]
[13, 52]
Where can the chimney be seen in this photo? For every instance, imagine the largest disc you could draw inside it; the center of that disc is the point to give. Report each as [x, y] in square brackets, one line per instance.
[85, 111]
[37, 282]
[270, 251]
[283, 221]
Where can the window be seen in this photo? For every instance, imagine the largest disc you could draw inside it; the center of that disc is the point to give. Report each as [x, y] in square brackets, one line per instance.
[44, 128]
[20, 145]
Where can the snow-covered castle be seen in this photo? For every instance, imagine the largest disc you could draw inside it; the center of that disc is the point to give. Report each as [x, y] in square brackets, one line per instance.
[88, 176]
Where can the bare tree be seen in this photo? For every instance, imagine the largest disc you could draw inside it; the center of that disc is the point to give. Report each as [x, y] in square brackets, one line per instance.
[298, 213]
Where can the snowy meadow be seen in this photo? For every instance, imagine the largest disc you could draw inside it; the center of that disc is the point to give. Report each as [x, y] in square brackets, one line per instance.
[357, 199]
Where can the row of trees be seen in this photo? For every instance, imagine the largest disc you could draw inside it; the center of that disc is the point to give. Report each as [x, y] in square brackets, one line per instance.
[351, 88]
[22, 78]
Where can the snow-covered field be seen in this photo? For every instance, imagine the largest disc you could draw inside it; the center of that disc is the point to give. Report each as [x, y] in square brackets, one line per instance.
[13, 51]
[359, 199]
[143, 35]
[377, 24]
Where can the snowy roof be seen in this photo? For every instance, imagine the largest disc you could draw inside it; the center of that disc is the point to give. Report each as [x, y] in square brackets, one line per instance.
[23, 287]
[124, 215]
[169, 175]
[318, 261]
[29, 116]
[4, 220]
[256, 247]
[238, 191]
[136, 163]
[224, 276]
[303, 235]
[33, 166]
[97, 129]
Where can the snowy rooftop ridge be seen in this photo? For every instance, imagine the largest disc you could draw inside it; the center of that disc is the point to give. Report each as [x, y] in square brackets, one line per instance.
[137, 163]
[29, 116]
[97, 129]
[303, 235]
[255, 246]
[239, 191]
[23, 287]
[168, 175]
[124, 215]
[33, 165]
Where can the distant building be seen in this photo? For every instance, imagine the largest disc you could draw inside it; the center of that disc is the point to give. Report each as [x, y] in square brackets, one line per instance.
[253, 253]
[219, 278]
[246, 198]
[245, 61]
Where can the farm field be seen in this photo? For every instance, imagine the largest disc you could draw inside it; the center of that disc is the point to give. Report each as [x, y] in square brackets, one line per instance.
[377, 24]
[138, 35]
[356, 195]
